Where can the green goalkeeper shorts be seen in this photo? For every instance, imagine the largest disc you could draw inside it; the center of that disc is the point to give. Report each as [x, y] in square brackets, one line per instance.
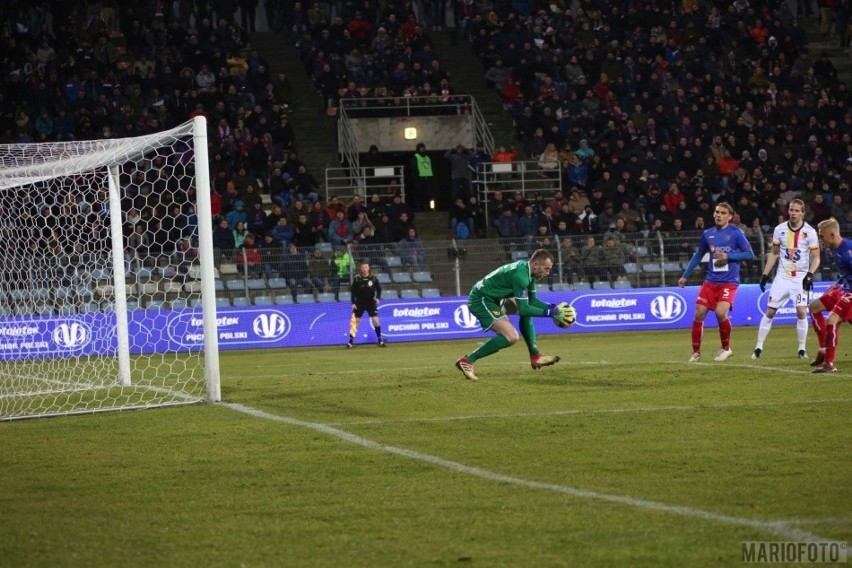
[486, 310]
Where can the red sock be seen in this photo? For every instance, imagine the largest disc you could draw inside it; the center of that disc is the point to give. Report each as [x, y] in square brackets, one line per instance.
[697, 334]
[725, 333]
[830, 343]
[818, 321]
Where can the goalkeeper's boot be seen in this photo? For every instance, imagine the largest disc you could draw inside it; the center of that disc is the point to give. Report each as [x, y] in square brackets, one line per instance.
[464, 365]
[540, 360]
[757, 353]
[820, 359]
[381, 343]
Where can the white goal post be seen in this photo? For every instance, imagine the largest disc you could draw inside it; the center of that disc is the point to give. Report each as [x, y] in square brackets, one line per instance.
[107, 294]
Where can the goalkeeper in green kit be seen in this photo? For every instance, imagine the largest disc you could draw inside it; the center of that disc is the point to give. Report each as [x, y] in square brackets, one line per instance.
[510, 289]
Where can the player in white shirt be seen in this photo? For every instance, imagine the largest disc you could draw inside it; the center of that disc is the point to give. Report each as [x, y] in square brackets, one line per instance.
[795, 245]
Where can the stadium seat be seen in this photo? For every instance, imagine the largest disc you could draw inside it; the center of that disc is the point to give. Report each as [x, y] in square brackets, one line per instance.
[542, 287]
[242, 301]
[422, 276]
[218, 285]
[282, 299]
[672, 267]
[325, 297]
[561, 286]
[40, 294]
[154, 305]
[60, 293]
[409, 294]
[84, 293]
[324, 248]
[651, 267]
[256, 284]
[223, 302]
[401, 278]
[390, 295]
[178, 304]
[147, 288]
[132, 306]
[67, 310]
[235, 286]
[520, 255]
[263, 301]
[228, 269]
[394, 261]
[383, 278]
[277, 283]
[89, 308]
[581, 286]
[631, 268]
[305, 299]
[642, 251]
[602, 285]
[622, 284]
[195, 303]
[430, 293]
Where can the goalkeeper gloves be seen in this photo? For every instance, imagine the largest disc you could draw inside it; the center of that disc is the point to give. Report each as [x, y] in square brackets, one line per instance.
[764, 279]
[558, 311]
[808, 282]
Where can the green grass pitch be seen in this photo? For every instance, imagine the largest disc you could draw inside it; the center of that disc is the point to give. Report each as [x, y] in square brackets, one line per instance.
[620, 455]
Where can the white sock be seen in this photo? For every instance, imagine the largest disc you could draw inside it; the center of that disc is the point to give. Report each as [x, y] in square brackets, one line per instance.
[763, 331]
[802, 332]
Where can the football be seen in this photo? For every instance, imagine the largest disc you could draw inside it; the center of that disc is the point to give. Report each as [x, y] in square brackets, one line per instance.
[568, 319]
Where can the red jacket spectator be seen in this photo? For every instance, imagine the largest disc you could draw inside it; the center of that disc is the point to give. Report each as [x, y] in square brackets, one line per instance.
[673, 198]
[727, 164]
[360, 28]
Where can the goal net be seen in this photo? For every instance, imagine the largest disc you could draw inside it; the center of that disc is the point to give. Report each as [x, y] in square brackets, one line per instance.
[106, 275]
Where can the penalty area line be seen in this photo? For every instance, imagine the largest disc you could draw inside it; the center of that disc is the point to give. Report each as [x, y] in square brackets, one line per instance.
[769, 527]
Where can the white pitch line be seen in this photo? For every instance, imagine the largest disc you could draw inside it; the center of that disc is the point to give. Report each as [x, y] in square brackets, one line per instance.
[774, 528]
[640, 409]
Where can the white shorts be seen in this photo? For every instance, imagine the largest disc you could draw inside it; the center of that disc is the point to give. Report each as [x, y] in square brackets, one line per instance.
[784, 290]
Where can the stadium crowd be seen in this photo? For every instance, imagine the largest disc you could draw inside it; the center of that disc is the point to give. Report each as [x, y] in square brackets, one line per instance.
[653, 111]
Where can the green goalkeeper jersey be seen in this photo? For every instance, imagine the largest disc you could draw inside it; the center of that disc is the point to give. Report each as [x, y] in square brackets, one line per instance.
[513, 280]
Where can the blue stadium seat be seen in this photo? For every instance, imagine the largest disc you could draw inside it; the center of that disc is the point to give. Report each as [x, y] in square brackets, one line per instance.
[235, 286]
[622, 284]
[242, 301]
[282, 299]
[178, 304]
[394, 261]
[256, 284]
[631, 268]
[401, 278]
[602, 285]
[277, 284]
[325, 297]
[430, 293]
[422, 276]
[651, 267]
[409, 294]
[384, 278]
[305, 299]
[520, 255]
[223, 302]
[263, 301]
[390, 295]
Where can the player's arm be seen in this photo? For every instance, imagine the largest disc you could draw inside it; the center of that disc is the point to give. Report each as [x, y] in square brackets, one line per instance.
[378, 288]
[352, 291]
[771, 258]
[528, 304]
[696, 258]
[814, 257]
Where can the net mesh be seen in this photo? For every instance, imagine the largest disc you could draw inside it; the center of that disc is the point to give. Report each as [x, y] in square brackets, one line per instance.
[60, 287]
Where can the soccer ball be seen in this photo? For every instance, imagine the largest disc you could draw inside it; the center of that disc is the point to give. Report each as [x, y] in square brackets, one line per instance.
[568, 320]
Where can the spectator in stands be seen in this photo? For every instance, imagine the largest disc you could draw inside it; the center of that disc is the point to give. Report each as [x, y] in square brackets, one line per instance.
[593, 259]
[460, 173]
[477, 213]
[257, 220]
[411, 250]
[460, 214]
[294, 267]
[236, 215]
[305, 235]
[283, 233]
[340, 230]
[223, 237]
[240, 232]
[319, 270]
[251, 259]
[509, 230]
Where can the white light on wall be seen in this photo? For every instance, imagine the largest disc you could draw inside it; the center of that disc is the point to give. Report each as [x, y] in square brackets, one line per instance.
[432, 204]
[410, 133]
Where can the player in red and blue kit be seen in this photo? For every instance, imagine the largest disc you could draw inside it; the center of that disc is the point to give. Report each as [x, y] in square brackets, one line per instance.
[726, 246]
[837, 299]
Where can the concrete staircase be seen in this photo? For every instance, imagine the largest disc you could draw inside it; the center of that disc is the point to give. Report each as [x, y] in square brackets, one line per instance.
[467, 77]
[316, 133]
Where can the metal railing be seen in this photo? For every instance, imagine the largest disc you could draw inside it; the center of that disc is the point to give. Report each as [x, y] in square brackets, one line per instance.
[527, 177]
[604, 261]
